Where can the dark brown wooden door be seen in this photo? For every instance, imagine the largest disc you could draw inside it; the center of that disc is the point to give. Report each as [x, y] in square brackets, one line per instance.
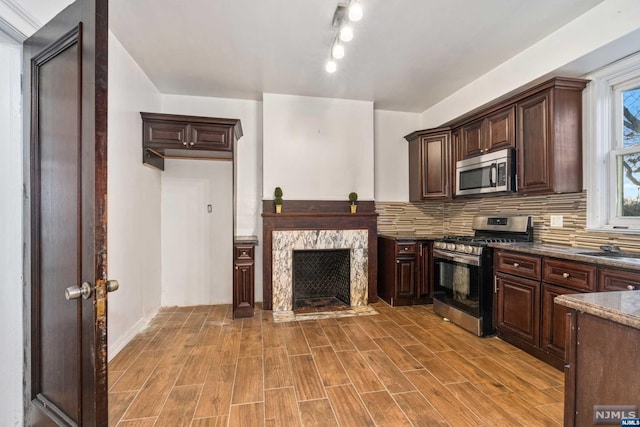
[435, 170]
[65, 109]
[554, 320]
[534, 139]
[406, 278]
[518, 308]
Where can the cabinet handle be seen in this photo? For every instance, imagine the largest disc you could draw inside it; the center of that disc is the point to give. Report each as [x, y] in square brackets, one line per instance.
[516, 265]
[236, 267]
[184, 143]
[191, 144]
[631, 287]
[566, 275]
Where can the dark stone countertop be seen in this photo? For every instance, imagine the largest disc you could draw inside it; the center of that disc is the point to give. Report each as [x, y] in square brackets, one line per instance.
[246, 240]
[570, 253]
[621, 307]
[410, 236]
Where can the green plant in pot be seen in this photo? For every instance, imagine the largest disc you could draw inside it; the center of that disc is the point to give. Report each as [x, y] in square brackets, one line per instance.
[277, 199]
[353, 198]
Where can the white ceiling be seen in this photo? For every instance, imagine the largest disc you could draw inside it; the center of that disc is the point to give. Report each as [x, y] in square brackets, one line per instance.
[406, 54]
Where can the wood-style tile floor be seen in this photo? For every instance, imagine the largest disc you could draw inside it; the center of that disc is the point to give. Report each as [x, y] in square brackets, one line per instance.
[195, 366]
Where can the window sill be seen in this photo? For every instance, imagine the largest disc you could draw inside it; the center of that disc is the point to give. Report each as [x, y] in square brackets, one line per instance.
[614, 230]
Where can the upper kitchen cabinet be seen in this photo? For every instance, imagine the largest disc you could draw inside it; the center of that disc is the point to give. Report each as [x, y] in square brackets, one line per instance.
[549, 138]
[430, 164]
[492, 132]
[176, 136]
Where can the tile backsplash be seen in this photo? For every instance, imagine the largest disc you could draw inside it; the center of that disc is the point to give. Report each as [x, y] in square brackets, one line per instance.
[454, 217]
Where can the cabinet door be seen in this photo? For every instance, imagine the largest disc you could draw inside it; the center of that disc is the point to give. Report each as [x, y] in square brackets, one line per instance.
[165, 134]
[243, 298]
[424, 290]
[435, 166]
[210, 137]
[501, 129]
[554, 320]
[472, 139]
[518, 308]
[534, 139]
[406, 277]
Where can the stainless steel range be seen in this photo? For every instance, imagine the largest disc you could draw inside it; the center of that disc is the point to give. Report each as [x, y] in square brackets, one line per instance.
[463, 270]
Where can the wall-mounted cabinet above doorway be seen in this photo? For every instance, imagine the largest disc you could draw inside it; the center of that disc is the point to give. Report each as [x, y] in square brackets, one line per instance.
[187, 137]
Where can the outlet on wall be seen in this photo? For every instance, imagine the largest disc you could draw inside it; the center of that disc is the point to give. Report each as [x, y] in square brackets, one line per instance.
[556, 220]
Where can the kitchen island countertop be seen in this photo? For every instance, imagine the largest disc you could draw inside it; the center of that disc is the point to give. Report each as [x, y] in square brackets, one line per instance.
[621, 307]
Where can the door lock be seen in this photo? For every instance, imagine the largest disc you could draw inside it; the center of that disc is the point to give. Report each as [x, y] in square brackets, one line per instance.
[74, 292]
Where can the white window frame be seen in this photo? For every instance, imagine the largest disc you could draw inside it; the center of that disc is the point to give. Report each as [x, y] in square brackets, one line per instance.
[601, 110]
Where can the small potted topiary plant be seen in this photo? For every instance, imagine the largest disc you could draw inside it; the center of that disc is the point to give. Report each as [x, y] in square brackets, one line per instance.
[277, 199]
[353, 198]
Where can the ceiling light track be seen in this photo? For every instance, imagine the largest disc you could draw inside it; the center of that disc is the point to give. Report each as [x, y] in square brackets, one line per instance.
[343, 17]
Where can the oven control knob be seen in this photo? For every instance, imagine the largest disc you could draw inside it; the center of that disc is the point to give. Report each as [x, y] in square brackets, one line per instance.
[438, 245]
[460, 248]
[468, 249]
[451, 246]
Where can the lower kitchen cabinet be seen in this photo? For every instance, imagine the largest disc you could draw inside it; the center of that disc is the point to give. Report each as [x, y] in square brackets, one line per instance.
[244, 276]
[518, 308]
[554, 320]
[404, 271]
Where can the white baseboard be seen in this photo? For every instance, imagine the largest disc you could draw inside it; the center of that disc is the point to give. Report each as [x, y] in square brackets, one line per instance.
[116, 347]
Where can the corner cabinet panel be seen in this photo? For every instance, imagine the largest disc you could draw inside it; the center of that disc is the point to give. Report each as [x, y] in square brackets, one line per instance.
[244, 276]
[430, 164]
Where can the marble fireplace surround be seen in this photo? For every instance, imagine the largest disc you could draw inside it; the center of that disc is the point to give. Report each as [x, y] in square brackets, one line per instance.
[284, 242]
[319, 215]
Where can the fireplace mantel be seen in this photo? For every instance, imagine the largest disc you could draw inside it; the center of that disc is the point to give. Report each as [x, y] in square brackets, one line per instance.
[318, 215]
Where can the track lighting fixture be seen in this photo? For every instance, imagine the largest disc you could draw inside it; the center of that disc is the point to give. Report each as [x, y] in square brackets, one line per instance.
[343, 16]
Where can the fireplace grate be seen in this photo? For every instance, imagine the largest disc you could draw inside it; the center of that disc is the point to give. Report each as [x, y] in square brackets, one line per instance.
[321, 274]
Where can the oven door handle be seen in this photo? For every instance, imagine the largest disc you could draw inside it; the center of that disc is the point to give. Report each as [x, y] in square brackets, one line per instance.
[456, 257]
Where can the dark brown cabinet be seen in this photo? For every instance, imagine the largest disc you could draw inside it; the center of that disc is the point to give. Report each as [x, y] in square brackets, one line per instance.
[601, 367]
[493, 132]
[430, 164]
[550, 139]
[404, 271]
[554, 318]
[526, 314]
[243, 276]
[176, 136]
[518, 308]
[618, 280]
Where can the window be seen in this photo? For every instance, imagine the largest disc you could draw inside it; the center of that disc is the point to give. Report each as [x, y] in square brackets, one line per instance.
[612, 147]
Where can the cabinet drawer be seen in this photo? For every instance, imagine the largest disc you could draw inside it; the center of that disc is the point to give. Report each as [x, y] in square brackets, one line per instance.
[570, 274]
[618, 280]
[244, 252]
[406, 248]
[528, 266]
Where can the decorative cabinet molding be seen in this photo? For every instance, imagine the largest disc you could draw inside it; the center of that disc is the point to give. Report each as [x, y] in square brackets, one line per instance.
[176, 136]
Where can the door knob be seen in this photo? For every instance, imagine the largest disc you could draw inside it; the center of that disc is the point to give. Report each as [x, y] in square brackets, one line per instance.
[74, 292]
[112, 285]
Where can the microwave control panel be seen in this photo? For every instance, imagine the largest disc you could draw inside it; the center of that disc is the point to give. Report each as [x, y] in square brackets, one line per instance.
[501, 179]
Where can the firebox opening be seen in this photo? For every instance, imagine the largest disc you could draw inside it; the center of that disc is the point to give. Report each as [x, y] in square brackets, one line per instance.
[321, 280]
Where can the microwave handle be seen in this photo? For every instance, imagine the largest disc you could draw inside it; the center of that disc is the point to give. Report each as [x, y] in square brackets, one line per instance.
[493, 172]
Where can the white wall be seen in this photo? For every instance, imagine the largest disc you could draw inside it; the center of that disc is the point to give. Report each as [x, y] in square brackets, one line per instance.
[133, 201]
[248, 160]
[613, 24]
[317, 148]
[11, 325]
[197, 256]
[392, 154]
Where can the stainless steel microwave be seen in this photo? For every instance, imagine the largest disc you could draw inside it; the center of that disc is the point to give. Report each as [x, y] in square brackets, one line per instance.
[488, 173]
